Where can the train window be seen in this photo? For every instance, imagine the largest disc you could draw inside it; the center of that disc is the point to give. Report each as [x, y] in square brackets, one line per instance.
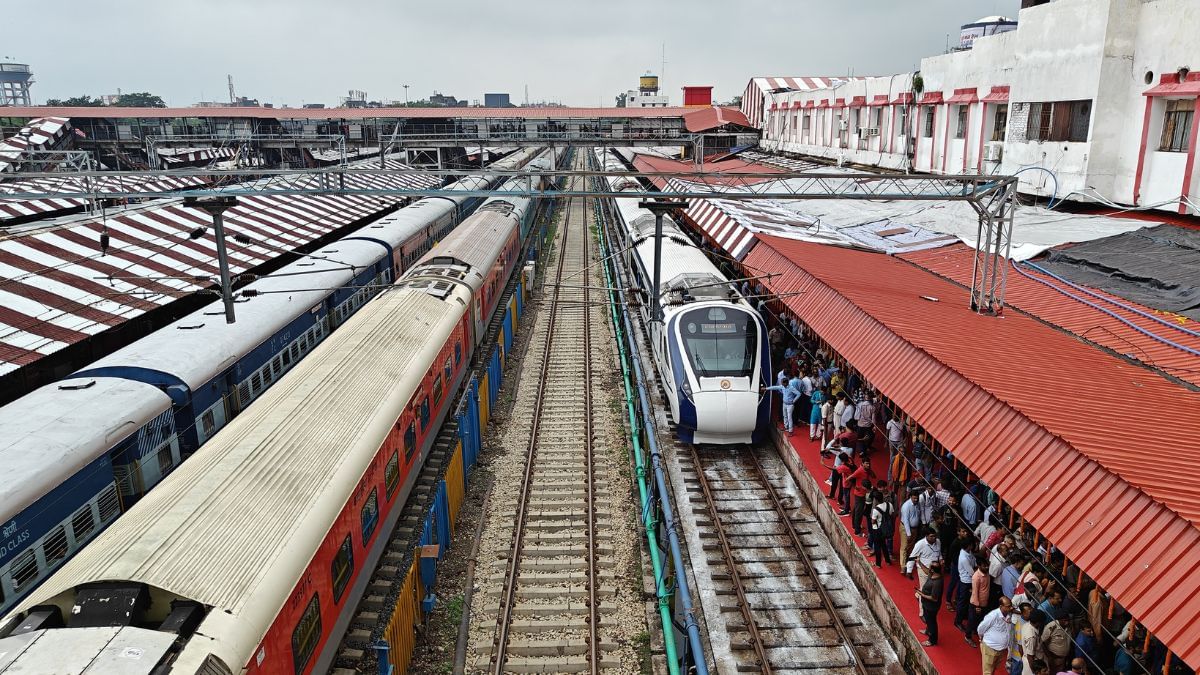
[343, 568]
[256, 383]
[295, 350]
[82, 523]
[437, 390]
[448, 368]
[286, 355]
[719, 342]
[307, 634]
[410, 442]
[24, 570]
[391, 474]
[424, 414]
[457, 353]
[276, 366]
[165, 460]
[370, 515]
[109, 504]
[209, 423]
[54, 546]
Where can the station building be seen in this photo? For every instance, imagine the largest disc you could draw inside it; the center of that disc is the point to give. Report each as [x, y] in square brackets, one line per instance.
[1086, 100]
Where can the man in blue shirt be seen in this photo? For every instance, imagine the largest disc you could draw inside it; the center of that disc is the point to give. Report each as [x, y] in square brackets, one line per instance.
[1010, 576]
[791, 394]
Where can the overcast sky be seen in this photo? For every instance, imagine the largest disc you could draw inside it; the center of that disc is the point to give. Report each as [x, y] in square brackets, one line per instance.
[582, 53]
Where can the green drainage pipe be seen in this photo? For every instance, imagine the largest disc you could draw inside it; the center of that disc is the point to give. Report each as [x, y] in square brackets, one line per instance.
[661, 592]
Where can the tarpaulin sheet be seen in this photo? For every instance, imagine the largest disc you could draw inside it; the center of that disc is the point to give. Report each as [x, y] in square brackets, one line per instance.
[1156, 266]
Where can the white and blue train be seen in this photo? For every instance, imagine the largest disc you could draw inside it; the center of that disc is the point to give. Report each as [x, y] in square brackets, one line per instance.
[711, 348]
[79, 452]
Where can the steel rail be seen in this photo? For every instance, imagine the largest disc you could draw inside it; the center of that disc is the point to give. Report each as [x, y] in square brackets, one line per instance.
[508, 596]
[727, 553]
[822, 592]
[589, 468]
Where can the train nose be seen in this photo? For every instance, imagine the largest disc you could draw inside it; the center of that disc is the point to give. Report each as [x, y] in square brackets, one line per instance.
[725, 416]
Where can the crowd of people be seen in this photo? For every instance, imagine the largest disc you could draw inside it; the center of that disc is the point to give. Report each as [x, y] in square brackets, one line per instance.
[1009, 593]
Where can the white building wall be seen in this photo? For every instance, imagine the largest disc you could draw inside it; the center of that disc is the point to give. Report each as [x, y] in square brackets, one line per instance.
[1097, 50]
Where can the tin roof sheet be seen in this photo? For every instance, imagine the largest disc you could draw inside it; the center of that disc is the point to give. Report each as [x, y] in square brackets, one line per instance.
[57, 289]
[1037, 413]
[1101, 318]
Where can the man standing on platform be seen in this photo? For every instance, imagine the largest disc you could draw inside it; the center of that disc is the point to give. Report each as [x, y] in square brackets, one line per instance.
[930, 595]
[910, 527]
[925, 553]
[995, 634]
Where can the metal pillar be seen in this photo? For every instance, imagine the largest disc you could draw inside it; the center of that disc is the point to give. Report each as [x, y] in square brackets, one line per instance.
[215, 206]
[659, 207]
[993, 245]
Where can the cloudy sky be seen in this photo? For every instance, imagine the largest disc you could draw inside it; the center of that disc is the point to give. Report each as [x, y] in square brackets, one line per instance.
[582, 53]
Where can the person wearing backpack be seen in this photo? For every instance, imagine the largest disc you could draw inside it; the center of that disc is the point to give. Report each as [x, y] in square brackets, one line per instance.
[883, 527]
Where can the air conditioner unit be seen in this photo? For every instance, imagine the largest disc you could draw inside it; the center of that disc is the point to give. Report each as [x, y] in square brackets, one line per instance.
[843, 124]
[873, 131]
[993, 152]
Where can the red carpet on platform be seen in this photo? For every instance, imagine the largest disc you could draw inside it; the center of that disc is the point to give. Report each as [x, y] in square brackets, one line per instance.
[952, 655]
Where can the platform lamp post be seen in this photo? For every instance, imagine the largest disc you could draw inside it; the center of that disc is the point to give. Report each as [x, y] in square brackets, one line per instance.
[216, 206]
[659, 207]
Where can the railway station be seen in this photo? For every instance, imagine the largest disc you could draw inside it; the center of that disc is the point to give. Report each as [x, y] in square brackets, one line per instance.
[880, 374]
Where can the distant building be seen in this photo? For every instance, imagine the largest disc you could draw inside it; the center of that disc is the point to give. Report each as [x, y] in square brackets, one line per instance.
[1104, 112]
[355, 98]
[496, 101]
[15, 79]
[445, 100]
[314, 106]
[646, 95]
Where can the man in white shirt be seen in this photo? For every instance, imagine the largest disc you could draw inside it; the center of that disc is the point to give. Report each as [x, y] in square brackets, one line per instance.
[910, 524]
[995, 634]
[925, 553]
[895, 436]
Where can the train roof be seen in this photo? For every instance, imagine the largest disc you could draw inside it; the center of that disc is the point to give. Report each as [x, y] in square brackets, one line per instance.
[478, 241]
[201, 345]
[235, 526]
[48, 435]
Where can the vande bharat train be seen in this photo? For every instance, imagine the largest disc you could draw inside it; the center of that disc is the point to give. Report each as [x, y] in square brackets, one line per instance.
[245, 558]
[711, 348]
[78, 452]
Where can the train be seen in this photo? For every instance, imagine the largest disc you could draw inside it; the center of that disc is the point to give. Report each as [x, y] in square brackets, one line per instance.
[245, 557]
[81, 451]
[711, 348]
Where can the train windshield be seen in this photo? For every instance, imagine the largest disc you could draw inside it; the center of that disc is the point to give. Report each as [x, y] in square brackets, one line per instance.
[719, 342]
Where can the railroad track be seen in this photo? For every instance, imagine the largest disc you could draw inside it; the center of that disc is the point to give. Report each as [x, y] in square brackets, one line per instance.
[548, 601]
[783, 602]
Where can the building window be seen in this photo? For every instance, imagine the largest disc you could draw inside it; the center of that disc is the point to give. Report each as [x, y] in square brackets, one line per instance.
[902, 121]
[929, 113]
[370, 516]
[1000, 125]
[1177, 125]
[1060, 121]
[807, 122]
[342, 568]
[306, 634]
[961, 130]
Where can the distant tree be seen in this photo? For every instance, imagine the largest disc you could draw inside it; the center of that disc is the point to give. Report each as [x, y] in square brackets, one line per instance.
[84, 101]
[621, 100]
[140, 99]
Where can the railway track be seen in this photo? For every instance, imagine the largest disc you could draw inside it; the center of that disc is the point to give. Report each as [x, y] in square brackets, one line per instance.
[779, 600]
[548, 601]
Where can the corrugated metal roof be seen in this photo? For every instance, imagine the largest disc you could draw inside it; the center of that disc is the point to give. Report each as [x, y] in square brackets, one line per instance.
[705, 119]
[57, 289]
[1099, 455]
[39, 134]
[23, 208]
[1047, 299]
[346, 113]
[754, 98]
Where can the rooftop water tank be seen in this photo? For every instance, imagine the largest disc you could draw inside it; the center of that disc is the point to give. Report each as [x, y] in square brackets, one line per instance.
[988, 25]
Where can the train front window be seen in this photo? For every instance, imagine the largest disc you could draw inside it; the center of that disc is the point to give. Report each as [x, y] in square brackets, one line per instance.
[719, 342]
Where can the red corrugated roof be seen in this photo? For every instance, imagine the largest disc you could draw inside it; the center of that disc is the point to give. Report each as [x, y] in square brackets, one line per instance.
[1098, 454]
[699, 120]
[968, 95]
[345, 113]
[1047, 299]
[998, 94]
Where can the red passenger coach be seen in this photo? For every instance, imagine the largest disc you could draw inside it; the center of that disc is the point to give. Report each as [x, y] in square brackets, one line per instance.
[246, 557]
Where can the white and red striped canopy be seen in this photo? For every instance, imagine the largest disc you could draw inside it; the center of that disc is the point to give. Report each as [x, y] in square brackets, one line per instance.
[56, 288]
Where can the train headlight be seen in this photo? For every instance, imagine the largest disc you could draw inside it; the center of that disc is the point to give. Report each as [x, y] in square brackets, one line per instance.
[686, 388]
